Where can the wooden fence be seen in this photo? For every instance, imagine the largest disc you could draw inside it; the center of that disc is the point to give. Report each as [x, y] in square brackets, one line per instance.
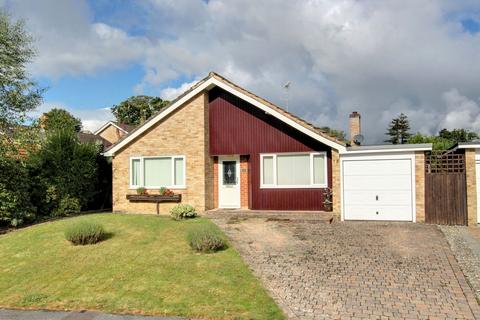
[445, 189]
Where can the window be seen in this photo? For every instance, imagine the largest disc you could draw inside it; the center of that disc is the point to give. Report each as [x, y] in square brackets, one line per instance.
[135, 180]
[229, 173]
[268, 170]
[293, 170]
[157, 172]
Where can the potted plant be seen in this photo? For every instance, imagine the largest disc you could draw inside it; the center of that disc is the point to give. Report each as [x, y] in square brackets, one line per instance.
[165, 192]
[141, 191]
[327, 199]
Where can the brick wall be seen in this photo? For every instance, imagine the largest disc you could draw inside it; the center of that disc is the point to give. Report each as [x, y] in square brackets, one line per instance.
[208, 165]
[215, 182]
[244, 182]
[354, 126]
[111, 134]
[336, 183]
[471, 176]
[420, 185]
[182, 133]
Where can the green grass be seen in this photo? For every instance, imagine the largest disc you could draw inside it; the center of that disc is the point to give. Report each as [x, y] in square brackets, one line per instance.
[146, 266]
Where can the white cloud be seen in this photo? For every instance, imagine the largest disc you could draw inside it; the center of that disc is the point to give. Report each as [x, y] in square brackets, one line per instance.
[462, 112]
[171, 93]
[380, 58]
[376, 57]
[68, 42]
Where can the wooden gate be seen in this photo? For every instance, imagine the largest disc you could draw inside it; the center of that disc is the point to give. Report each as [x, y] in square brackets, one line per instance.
[445, 189]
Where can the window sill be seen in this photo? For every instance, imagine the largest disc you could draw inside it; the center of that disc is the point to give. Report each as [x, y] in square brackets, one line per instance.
[295, 187]
[158, 188]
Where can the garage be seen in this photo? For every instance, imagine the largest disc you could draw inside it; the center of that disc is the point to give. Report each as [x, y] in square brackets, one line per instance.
[379, 187]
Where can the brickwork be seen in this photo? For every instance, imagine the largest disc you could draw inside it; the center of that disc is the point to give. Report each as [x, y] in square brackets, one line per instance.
[111, 134]
[181, 133]
[420, 185]
[209, 184]
[244, 182]
[215, 182]
[336, 183]
[354, 125]
[470, 166]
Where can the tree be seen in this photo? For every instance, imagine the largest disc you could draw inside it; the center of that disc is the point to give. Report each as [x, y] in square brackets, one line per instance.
[64, 172]
[439, 143]
[136, 109]
[398, 130]
[445, 139]
[458, 135]
[339, 134]
[60, 119]
[18, 93]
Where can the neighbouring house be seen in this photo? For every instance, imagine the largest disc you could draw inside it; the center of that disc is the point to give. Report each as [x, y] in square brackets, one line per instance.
[113, 131]
[467, 199]
[107, 135]
[220, 146]
[86, 137]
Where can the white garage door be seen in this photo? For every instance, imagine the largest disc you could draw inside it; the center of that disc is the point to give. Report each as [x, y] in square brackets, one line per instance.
[378, 189]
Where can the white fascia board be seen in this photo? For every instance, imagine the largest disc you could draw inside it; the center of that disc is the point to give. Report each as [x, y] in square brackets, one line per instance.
[377, 156]
[406, 150]
[280, 116]
[468, 146]
[106, 125]
[208, 84]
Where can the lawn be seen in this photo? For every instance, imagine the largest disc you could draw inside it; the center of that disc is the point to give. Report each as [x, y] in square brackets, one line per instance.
[145, 267]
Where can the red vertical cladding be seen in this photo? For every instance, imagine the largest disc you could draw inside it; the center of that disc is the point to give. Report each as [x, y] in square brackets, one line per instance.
[237, 127]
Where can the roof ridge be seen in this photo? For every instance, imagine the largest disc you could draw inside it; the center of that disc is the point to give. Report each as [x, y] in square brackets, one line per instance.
[263, 100]
[259, 99]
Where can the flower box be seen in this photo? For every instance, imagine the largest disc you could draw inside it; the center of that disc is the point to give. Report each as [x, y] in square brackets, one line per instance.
[157, 198]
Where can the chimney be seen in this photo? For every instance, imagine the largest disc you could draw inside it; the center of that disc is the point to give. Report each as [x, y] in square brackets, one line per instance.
[354, 126]
[43, 121]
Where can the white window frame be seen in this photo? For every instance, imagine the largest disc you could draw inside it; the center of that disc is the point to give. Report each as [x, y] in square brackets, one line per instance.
[142, 171]
[308, 186]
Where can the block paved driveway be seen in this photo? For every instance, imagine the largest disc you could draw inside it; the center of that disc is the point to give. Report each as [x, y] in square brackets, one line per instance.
[353, 270]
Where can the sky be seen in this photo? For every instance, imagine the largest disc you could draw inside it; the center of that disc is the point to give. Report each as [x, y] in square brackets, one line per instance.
[380, 58]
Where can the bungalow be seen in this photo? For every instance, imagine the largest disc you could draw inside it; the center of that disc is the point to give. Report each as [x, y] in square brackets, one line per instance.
[113, 131]
[220, 146]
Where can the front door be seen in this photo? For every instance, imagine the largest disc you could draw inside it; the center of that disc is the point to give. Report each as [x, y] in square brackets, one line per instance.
[229, 182]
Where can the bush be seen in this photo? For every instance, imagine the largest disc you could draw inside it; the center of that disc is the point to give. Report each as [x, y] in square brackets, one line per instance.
[15, 203]
[67, 206]
[64, 169]
[206, 239]
[85, 232]
[103, 187]
[183, 211]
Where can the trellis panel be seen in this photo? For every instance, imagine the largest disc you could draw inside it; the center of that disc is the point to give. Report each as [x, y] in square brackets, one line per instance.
[445, 189]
